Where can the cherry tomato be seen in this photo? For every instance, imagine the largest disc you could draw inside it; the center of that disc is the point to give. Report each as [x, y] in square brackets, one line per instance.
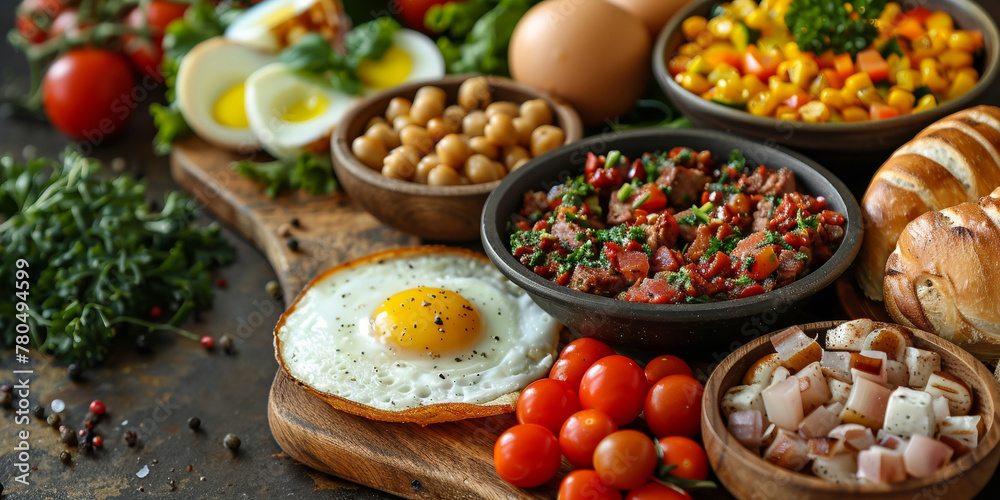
[34, 18]
[625, 459]
[413, 12]
[570, 369]
[673, 406]
[656, 491]
[87, 93]
[146, 54]
[616, 385]
[527, 455]
[588, 348]
[687, 455]
[67, 23]
[547, 402]
[581, 433]
[585, 484]
[661, 366]
[158, 15]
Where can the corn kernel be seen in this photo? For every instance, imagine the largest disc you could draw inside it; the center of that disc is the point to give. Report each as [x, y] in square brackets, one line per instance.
[819, 83]
[896, 63]
[757, 19]
[901, 100]
[753, 85]
[928, 45]
[955, 58]
[833, 98]
[693, 25]
[868, 96]
[854, 114]
[704, 38]
[790, 50]
[939, 21]
[678, 64]
[784, 90]
[743, 8]
[689, 49]
[961, 40]
[722, 71]
[924, 103]
[802, 71]
[962, 83]
[814, 112]
[931, 75]
[889, 14]
[792, 116]
[693, 82]
[730, 89]
[720, 27]
[908, 79]
[762, 104]
[972, 73]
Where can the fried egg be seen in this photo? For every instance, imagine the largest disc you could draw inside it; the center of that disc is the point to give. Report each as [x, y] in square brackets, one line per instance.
[272, 25]
[411, 57]
[211, 91]
[290, 113]
[423, 334]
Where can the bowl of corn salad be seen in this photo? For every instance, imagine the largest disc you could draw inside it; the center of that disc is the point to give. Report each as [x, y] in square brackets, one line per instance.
[825, 75]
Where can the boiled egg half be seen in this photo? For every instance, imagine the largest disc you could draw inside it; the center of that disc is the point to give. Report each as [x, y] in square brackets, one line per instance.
[272, 25]
[412, 57]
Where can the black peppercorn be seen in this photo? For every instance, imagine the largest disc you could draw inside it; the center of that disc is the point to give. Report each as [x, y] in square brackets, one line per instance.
[293, 244]
[84, 447]
[74, 372]
[227, 345]
[65, 457]
[231, 441]
[194, 423]
[130, 438]
[39, 412]
[54, 420]
[67, 435]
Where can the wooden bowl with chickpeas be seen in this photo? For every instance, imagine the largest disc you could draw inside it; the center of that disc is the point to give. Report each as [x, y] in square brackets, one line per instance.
[424, 157]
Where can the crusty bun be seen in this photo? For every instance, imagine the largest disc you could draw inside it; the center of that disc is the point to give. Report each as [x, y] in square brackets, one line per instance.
[944, 275]
[954, 160]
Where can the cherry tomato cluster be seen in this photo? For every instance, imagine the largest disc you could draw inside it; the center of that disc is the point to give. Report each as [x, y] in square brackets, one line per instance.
[587, 410]
[88, 91]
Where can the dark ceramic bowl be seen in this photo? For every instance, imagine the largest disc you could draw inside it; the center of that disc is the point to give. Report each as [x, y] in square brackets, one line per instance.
[665, 327]
[832, 143]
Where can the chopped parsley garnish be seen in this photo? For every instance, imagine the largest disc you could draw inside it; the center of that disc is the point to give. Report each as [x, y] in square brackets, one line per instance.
[801, 256]
[701, 299]
[774, 238]
[721, 187]
[725, 246]
[743, 280]
[811, 222]
[525, 239]
[736, 160]
[680, 278]
[684, 157]
[652, 164]
[637, 233]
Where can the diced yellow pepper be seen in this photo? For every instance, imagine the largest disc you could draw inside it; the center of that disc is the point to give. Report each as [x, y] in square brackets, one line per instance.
[858, 81]
[962, 83]
[901, 100]
[930, 74]
[814, 112]
[730, 89]
[762, 104]
[699, 65]
[908, 79]
[952, 58]
[802, 71]
[693, 82]
[720, 27]
[926, 102]
[939, 21]
[833, 98]
[753, 85]
[723, 71]
[693, 25]
[854, 114]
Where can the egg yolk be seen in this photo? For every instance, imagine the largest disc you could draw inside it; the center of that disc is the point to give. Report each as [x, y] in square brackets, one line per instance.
[278, 15]
[229, 109]
[305, 109]
[426, 321]
[392, 69]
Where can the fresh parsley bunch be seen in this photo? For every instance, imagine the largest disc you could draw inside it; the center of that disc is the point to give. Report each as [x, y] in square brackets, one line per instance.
[818, 25]
[99, 256]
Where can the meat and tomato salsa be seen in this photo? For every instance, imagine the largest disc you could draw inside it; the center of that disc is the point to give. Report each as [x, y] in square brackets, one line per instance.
[675, 227]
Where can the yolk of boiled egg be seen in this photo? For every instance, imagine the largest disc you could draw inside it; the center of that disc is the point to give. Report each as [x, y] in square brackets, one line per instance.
[411, 57]
[305, 109]
[425, 321]
[391, 70]
[229, 108]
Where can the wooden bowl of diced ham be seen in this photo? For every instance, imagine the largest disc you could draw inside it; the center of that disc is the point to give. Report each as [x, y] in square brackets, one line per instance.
[855, 409]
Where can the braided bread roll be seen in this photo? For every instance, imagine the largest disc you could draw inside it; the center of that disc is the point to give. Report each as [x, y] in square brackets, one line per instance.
[944, 276]
[954, 160]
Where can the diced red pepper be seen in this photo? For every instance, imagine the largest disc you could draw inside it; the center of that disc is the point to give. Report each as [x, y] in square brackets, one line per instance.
[760, 65]
[871, 61]
[844, 65]
[747, 291]
[636, 171]
[563, 279]
[719, 264]
[765, 262]
[655, 199]
[540, 225]
[879, 111]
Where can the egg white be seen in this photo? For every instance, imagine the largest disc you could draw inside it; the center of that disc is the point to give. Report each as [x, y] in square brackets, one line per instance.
[253, 27]
[325, 342]
[273, 88]
[210, 69]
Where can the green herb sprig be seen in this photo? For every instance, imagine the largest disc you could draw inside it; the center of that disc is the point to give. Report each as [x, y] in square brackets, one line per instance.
[818, 25]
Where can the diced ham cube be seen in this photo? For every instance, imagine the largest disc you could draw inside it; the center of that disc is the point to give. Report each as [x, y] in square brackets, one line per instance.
[891, 441]
[870, 365]
[783, 402]
[814, 387]
[788, 451]
[881, 465]
[837, 364]
[747, 426]
[925, 455]
[819, 423]
[866, 404]
[909, 412]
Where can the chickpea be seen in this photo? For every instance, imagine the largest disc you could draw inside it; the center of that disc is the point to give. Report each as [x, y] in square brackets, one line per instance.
[453, 150]
[454, 114]
[537, 111]
[428, 103]
[384, 133]
[546, 138]
[481, 145]
[480, 169]
[443, 175]
[426, 164]
[439, 127]
[398, 106]
[399, 122]
[398, 166]
[505, 107]
[417, 137]
[369, 150]
[519, 163]
[474, 123]
[474, 93]
[411, 153]
[375, 120]
[523, 129]
[500, 130]
[514, 154]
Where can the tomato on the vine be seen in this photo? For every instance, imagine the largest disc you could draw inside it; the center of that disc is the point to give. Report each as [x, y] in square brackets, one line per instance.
[616, 385]
[527, 455]
[673, 406]
[158, 15]
[625, 459]
[687, 455]
[87, 93]
[35, 17]
[581, 433]
[146, 54]
[585, 484]
[656, 491]
[547, 402]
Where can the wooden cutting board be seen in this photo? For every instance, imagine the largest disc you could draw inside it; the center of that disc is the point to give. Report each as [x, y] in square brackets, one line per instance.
[451, 460]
